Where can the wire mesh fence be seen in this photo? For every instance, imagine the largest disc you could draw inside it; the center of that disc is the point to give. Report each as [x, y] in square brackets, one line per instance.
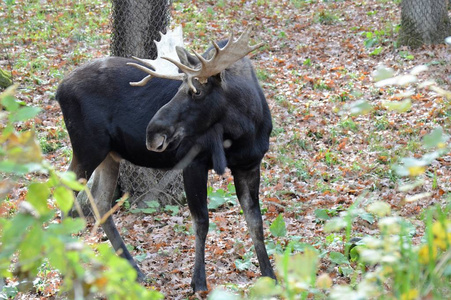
[136, 24]
[146, 184]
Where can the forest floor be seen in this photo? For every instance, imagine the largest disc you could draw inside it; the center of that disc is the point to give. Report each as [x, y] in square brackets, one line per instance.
[318, 59]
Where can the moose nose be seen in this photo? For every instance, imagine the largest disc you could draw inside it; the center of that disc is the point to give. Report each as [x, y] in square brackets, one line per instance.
[157, 143]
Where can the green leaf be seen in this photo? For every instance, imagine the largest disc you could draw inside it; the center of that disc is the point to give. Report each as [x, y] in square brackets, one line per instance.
[367, 217]
[174, 209]
[26, 113]
[399, 106]
[220, 294]
[359, 107]
[216, 202]
[242, 264]
[69, 226]
[38, 194]
[231, 188]
[140, 257]
[346, 270]
[300, 266]
[10, 292]
[30, 250]
[219, 198]
[64, 198]
[382, 72]
[10, 103]
[436, 138]
[70, 179]
[322, 214]
[338, 258]
[152, 204]
[335, 224]
[379, 208]
[277, 227]
[56, 256]
[376, 51]
[274, 248]
[152, 207]
[265, 287]
[13, 233]
[354, 253]
[8, 166]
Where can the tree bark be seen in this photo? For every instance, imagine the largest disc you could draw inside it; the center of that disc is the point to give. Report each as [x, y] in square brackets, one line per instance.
[136, 24]
[424, 22]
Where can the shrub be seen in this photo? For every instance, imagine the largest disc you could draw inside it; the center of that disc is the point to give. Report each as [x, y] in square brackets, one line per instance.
[34, 239]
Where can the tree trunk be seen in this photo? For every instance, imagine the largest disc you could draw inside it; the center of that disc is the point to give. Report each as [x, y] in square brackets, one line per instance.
[424, 22]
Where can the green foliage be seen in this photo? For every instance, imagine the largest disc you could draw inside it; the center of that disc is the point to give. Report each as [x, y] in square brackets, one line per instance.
[412, 270]
[325, 17]
[221, 197]
[376, 41]
[32, 237]
[45, 26]
[278, 228]
[338, 258]
[172, 209]
[221, 294]
[245, 262]
[322, 214]
[152, 207]
[406, 55]
[358, 107]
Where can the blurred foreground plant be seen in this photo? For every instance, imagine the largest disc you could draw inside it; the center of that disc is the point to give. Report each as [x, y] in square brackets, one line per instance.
[30, 234]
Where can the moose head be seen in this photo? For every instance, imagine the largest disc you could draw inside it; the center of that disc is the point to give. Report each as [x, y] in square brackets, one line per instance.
[203, 97]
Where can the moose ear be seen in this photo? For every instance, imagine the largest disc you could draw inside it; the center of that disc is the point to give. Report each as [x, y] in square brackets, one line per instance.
[186, 58]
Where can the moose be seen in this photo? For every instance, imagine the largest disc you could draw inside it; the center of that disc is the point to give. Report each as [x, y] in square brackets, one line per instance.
[210, 114]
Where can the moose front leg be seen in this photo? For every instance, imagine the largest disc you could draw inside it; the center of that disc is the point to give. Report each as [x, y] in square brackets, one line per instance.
[247, 184]
[195, 182]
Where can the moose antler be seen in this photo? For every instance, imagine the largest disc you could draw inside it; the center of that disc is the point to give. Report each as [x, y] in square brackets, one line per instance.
[223, 58]
[160, 69]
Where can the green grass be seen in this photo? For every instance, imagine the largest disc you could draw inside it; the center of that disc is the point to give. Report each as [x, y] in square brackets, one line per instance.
[33, 34]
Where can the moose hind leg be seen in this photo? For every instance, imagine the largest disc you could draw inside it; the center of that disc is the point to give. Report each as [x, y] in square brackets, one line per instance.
[195, 182]
[247, 187]
[103, 187]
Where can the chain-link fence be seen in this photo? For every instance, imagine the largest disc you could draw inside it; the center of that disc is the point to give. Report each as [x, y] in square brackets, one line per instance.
[145, 184]
[135, 26]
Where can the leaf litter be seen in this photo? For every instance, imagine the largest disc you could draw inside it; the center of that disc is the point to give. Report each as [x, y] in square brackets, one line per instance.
[317, 61]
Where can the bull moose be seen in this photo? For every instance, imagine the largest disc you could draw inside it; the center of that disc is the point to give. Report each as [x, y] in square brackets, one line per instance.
[211, 114]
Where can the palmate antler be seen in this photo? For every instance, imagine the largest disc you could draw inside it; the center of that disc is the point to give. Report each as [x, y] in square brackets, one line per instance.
[223, 58]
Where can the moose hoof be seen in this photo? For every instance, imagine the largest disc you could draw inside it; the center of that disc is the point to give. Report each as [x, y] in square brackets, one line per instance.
[199, 287]
[141, 277]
